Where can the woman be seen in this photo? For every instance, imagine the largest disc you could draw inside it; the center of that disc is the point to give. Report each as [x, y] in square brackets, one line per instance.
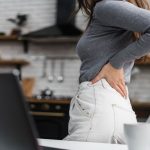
[118, 33]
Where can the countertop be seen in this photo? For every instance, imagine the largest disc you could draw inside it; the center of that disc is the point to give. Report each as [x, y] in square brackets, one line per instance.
[74, 145]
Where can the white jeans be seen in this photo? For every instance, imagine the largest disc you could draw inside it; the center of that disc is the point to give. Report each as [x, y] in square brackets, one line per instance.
[98, 113]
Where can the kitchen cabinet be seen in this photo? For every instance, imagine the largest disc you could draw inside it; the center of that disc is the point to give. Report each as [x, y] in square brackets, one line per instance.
[51, 117]
[14, 39]
[142, 110]
[8, 38]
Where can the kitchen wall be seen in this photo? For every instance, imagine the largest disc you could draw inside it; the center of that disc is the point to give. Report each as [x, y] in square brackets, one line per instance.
[41, 14]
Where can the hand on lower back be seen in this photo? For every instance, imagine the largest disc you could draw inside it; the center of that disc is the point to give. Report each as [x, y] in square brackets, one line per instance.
[115, 77]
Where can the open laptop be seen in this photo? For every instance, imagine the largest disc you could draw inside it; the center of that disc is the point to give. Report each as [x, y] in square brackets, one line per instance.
[17, 129]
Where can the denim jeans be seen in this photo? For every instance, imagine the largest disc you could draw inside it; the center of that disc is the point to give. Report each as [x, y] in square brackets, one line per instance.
[98, 113]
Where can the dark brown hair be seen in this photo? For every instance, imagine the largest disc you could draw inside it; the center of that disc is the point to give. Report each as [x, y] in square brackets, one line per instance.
[87, 7]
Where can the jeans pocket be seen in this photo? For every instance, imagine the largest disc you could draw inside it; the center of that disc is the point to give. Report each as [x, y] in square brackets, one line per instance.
[83, 107]
[124, 113]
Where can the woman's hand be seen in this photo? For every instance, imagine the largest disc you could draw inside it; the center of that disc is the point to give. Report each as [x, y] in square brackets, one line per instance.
[115, 77]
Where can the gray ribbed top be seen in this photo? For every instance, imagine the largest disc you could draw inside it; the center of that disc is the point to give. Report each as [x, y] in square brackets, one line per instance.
[109, 38]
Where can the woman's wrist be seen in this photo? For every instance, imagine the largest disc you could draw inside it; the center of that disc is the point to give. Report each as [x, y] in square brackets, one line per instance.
[115, 65]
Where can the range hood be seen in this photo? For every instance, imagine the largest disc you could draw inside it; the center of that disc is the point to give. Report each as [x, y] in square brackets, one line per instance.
[63, 26]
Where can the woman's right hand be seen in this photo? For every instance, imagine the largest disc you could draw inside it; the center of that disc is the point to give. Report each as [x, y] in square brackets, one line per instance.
[115, 77]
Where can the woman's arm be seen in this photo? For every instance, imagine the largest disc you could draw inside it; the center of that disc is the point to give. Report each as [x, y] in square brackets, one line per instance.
[127, 16]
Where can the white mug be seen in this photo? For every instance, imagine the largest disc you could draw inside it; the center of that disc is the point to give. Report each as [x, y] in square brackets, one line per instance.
[137, 136]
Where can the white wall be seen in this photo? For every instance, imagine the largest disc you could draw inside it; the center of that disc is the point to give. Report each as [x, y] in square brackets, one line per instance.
[42, 13]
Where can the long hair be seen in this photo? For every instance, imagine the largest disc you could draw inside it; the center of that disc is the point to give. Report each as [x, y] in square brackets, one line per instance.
[87, 7]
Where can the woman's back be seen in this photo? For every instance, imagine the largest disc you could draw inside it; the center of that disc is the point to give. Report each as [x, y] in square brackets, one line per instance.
[101, 41]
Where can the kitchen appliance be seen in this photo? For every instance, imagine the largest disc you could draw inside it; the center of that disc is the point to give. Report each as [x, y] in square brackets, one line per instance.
[51, 116]
[65, 23]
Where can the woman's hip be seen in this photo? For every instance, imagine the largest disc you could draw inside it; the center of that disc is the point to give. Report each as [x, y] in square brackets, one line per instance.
[99, 100]
[98, 110]
[101, 93]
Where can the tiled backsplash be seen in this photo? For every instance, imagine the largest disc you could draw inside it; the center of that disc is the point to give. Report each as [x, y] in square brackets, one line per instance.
[35, 69]
[42, 13]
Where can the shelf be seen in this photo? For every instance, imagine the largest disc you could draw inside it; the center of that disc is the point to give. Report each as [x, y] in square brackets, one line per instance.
[141, 105]
[48, 114]
[13, 62]
[41, 40]
[49, 101]
[14, 39]
[18, 63]
[26, 41]
[8, 38]
[62, 39]
[145, 62]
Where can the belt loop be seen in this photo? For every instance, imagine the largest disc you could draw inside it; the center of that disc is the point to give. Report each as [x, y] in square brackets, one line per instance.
[77, 92]
[103, 83]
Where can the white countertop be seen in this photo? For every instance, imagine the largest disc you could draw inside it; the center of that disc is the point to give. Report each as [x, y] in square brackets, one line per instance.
[73, 145]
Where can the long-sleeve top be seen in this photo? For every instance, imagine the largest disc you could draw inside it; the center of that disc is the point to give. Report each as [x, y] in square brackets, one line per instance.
[109, 38]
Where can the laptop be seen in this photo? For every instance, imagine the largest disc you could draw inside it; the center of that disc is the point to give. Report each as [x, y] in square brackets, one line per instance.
[17, 129]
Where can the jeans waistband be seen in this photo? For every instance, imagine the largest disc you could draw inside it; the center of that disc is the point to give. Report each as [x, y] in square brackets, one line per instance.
[102, 82]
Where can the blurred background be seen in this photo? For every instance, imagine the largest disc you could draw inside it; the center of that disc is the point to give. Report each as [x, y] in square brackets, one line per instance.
[37, 43]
